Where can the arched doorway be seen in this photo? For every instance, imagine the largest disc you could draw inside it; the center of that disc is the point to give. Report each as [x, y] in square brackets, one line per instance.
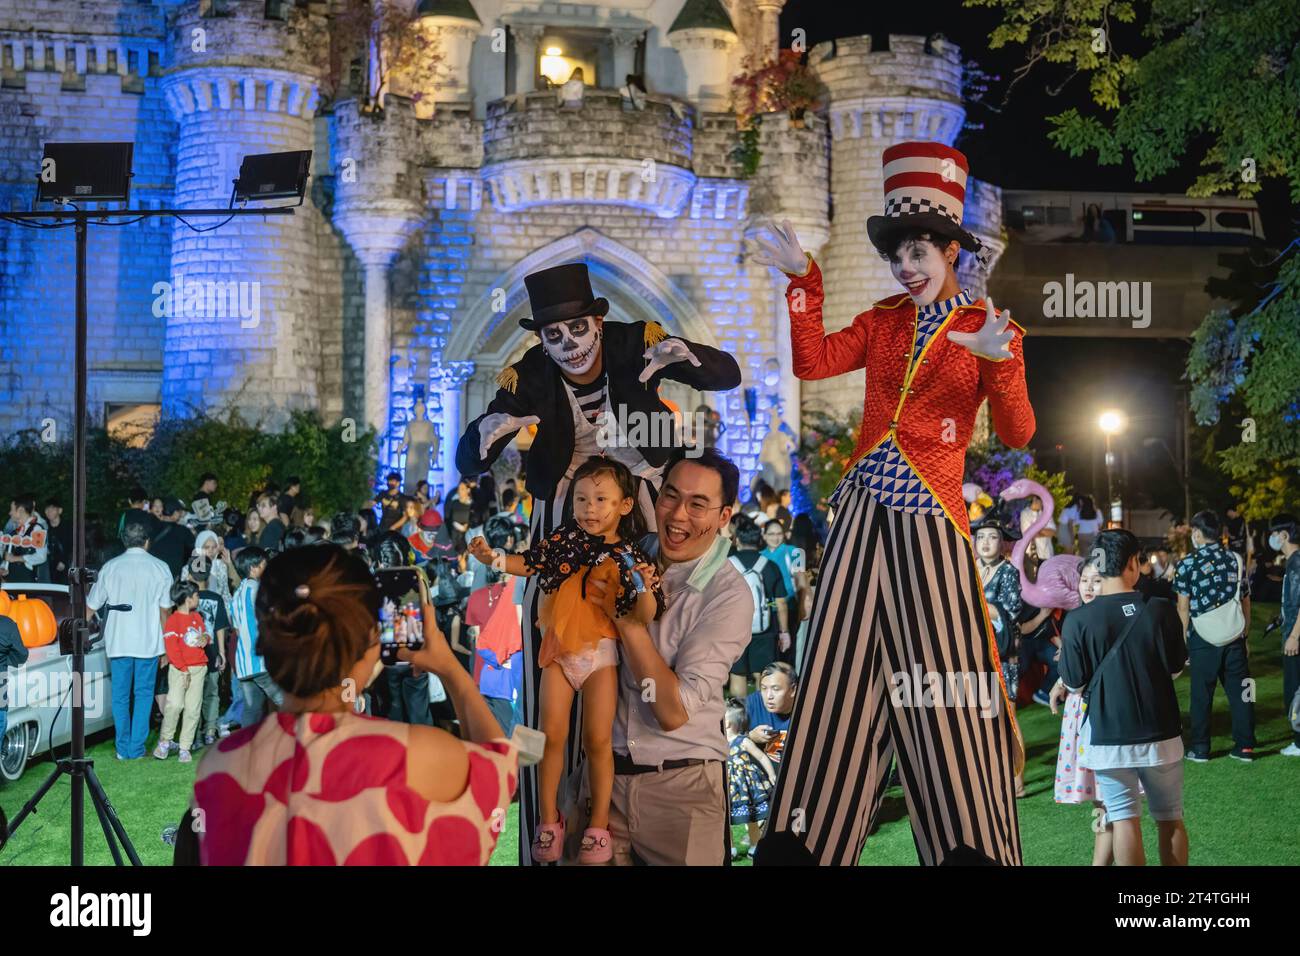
[636, 289]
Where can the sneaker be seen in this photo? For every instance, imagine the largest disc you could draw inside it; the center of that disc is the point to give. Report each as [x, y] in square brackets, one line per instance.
[548, 845]
[1041, 697]
[209, 739]
[1290, 750]
[223, 730]
[597, 846]
[161, 751]
[1244, 754]
[184, 757]
[752, 851]
[733, 851]
[119, 756]
[1196, 756]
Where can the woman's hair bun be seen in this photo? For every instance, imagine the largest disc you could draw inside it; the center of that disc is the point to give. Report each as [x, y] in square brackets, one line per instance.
[316, 609]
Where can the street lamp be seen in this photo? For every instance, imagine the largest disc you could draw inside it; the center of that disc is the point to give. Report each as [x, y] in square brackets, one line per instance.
[1111, 422]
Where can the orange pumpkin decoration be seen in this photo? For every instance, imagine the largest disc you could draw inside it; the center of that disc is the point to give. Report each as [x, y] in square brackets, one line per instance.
[35, 620]
[5, 601]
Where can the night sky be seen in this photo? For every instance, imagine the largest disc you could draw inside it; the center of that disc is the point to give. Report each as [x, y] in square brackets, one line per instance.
[1069, 379]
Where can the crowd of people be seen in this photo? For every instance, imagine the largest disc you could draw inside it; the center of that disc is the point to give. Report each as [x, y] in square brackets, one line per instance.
[1136, 618]
[190, 659]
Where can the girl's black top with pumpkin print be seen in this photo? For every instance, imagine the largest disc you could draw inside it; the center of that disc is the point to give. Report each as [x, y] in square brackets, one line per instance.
[570, 550]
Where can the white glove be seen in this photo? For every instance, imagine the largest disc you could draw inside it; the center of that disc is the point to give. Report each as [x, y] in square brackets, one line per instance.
[993, 339]
[493, 426]
[666, 352]
[781, 249]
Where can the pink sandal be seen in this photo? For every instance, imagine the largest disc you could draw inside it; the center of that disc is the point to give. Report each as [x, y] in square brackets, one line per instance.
[548, 844]
[597, 846]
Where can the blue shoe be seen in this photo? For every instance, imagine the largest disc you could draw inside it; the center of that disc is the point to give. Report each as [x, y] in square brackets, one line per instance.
[1196, 756]
[1041, 697]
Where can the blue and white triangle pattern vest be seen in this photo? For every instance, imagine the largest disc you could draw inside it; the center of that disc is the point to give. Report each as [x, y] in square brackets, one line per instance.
[883, 471]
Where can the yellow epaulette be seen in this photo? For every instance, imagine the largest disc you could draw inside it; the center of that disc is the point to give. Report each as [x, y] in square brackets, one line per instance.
[654, 332]
[508, 379]
[893, 302]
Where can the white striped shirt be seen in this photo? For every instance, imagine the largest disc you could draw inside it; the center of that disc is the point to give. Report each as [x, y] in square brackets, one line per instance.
[248, 663]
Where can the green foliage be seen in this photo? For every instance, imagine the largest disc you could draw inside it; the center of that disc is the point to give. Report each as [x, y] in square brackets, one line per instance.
[336, 474]
[1055, 483]
[1218, 82]
[746, 152]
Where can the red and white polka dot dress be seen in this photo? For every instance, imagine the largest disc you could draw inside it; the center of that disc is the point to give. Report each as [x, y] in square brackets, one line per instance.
[330, 789]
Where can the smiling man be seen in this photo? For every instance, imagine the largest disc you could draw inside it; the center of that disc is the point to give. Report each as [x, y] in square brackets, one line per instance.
[584, 381]
[669, 801]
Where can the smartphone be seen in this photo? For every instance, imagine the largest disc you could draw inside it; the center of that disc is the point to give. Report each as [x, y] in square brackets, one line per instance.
[401, 612]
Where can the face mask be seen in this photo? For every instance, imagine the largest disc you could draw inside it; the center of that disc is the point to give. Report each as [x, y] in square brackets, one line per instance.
[1275, 541]
[575, 354]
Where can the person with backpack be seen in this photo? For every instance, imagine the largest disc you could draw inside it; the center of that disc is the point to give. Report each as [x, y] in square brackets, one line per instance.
[770, 628]
[1214, 605]
[1122, 653]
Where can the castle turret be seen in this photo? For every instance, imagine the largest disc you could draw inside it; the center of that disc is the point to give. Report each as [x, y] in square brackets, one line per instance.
[242, 327]
[912, 91]
[705, 39]
[377, 208]
[449, 27]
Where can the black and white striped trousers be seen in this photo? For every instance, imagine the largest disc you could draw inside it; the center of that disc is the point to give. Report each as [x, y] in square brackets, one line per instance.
[547, 516]
[899, 598]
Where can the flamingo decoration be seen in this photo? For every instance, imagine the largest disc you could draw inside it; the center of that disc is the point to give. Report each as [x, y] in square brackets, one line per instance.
[1058, 576]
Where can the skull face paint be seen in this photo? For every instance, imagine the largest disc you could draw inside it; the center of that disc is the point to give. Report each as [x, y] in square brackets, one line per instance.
[573, 345]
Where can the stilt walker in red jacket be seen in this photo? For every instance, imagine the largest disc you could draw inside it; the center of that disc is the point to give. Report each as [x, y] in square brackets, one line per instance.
[901, 663]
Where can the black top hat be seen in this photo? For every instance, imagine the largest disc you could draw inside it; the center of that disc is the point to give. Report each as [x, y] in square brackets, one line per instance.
[559, 294]
[999, 519]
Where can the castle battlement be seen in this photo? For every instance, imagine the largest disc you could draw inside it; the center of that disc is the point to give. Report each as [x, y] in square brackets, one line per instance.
[422, 214]
[244, 37]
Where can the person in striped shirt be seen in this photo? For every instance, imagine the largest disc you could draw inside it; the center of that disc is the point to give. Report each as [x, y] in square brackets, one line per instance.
[254, 682]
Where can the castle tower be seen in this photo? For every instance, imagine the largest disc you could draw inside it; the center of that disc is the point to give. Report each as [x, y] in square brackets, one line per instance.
[705, 39]
[450, 27]
[878, 98]
[243, 325]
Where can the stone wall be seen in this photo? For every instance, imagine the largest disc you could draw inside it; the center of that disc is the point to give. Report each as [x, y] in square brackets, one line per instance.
[88, 74]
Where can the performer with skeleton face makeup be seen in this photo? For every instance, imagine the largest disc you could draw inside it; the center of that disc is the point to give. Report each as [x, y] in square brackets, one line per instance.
[584, 376]
[901, 601]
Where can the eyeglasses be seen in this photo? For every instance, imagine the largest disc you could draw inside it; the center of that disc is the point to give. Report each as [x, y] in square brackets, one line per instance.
[694, 507]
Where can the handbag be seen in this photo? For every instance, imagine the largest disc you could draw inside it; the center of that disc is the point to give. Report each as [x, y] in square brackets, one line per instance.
[1225, 623]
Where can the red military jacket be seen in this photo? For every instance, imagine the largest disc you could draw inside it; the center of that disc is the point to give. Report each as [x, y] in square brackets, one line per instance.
[929, 405]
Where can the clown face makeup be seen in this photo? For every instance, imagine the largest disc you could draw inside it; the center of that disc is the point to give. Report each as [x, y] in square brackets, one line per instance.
[574, 345]
[923, 270]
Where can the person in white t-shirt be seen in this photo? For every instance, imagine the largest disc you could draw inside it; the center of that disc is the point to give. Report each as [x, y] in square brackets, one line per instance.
[133, 640]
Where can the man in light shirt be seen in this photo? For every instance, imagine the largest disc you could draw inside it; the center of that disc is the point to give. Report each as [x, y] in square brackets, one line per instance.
[133, 640]
[669, 802]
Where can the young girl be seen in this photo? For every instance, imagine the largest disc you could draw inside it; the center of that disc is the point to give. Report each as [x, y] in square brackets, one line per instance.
[185, 638]
[1074, 783]
[579, 646]
[750, 774]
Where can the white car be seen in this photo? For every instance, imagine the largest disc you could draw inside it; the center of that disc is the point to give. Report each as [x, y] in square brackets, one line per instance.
[38, 696]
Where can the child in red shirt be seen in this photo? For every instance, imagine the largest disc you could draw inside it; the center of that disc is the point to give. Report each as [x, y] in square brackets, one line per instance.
[185, 638]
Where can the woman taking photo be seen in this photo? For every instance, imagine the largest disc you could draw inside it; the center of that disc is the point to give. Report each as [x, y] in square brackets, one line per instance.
[346, 788]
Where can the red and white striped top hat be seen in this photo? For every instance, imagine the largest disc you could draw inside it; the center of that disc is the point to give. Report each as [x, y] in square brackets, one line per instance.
[925, 189]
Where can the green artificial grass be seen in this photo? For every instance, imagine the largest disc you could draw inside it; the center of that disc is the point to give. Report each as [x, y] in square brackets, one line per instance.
[1237, 814]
